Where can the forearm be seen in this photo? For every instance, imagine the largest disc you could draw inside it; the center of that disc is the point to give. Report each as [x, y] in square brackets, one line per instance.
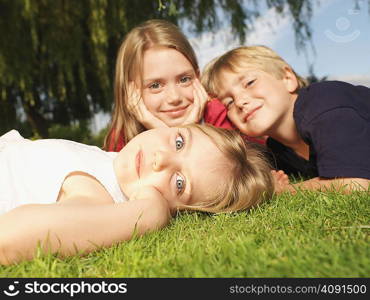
[70, 229]
[344, 185]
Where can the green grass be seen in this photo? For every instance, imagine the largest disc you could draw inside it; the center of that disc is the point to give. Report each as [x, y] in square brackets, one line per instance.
[311, 234]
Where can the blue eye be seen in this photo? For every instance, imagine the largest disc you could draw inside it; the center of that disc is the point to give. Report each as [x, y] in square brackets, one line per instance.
[180, 183]
[179, 142]
[155, 85]
[185, 79]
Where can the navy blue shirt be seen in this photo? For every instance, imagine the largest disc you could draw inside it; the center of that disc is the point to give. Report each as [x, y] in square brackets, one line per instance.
[333, 118]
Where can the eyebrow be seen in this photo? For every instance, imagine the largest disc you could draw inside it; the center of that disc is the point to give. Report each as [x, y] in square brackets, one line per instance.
[237, 80]
[147, 80]
[186, 73]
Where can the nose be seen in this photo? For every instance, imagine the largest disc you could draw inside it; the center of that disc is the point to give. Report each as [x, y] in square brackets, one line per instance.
[174, 95]
[241, 102]
[162, 160]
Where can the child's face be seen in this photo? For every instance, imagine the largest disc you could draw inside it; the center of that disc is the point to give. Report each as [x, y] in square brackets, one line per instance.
[183, 164]
[257, 102]
[167, 85]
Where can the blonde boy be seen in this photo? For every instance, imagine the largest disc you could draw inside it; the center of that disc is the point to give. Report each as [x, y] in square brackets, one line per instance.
[321, 131]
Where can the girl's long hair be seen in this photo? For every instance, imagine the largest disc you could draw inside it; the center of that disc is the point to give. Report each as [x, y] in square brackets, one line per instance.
[248, 180]
[152, 33]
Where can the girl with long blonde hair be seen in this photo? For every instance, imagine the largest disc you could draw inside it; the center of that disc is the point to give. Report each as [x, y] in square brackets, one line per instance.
[156, 85]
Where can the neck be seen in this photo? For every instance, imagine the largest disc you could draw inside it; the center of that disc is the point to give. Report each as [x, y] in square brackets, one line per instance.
[286, 133]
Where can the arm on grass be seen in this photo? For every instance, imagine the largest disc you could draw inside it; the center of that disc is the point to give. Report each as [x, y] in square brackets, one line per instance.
[345, 185]
[76, 226]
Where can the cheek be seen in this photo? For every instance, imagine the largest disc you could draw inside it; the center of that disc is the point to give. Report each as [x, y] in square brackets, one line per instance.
[153, 102]
[233, 116]
[259, 92]
[160, 181]
[187, 93]
[235, 119]
[270, 91]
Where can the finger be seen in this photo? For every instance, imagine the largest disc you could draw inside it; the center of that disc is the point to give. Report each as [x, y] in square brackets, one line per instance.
[196, 104]
[143, 111]
[131, 88]
[131, 94]
[204, 97]
[198, 90]
[193, 115]
[134, 99]
[142, 107]
[148, 119]
[202, 102]
[196, 95]
[203, 91]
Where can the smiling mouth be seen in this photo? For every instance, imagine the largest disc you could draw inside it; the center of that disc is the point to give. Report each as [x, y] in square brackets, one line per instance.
[176, 112]
[251, 113]
[138, 159]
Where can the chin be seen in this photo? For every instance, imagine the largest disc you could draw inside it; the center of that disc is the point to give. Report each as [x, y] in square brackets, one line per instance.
[179, 121]
[175, 122]
[256, 134]
[244, 131]
[251, 133]
[129, 188]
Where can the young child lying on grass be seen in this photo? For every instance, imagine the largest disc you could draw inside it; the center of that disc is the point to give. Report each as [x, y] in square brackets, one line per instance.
[321, 131]
[69, 197]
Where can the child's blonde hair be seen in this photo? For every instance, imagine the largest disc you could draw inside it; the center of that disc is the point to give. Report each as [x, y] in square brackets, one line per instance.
[249, 181]
[152, 33]
[257, 57]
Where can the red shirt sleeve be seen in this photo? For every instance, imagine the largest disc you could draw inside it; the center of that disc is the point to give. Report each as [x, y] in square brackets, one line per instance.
[120, 142]
[215, 114]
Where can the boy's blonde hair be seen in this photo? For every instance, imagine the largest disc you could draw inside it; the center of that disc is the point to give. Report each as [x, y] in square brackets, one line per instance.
[256, 57]
[152, 33]
[249, 181]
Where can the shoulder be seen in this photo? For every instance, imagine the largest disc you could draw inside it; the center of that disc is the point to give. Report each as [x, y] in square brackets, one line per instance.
[83, 186]
[321, 94]
[322, 97]
[115, 142]
[333, 93]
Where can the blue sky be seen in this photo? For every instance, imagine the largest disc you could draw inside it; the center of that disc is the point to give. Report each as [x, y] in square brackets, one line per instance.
[341, 39]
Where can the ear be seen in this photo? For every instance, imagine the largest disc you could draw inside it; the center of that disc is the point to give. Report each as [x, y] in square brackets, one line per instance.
[290, 80]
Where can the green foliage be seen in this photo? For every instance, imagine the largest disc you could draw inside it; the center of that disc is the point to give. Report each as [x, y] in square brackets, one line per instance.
[77, 132]
[312, 78]
[98, 139]
[57, 57]
[310, 234]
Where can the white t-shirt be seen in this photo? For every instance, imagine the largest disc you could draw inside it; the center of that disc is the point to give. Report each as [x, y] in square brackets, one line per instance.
[34, 171]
